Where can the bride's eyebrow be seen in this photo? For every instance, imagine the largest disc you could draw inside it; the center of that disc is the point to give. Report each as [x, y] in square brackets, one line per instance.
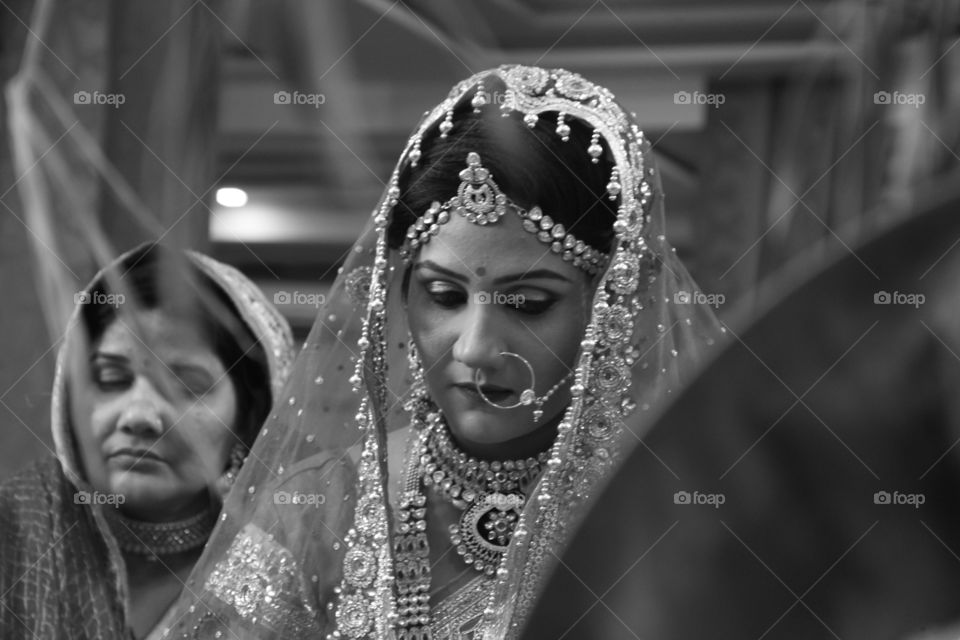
[534, 274]
[429, 264]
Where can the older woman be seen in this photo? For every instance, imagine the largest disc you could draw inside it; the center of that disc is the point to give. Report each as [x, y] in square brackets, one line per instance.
[496, 339]
[162, 384]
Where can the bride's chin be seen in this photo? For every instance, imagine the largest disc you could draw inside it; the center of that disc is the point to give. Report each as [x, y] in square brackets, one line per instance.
[481, 428]
[476, 427]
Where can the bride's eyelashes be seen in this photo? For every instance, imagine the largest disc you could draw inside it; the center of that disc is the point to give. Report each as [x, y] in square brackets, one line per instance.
[533, 307]
[449, 296]
[444, 295]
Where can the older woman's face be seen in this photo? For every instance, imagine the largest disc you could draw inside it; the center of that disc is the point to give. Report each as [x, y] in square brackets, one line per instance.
[155, 419]
[476, 292]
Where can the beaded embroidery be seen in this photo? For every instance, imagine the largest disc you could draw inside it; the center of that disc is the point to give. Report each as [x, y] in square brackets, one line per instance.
[259, 579]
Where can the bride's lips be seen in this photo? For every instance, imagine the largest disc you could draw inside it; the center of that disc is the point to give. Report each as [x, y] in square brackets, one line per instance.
[493, 393]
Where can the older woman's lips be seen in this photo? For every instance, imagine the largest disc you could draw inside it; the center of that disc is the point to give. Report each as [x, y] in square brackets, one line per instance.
[136, 455]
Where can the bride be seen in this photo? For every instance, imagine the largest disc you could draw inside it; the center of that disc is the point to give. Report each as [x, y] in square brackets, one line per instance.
[495, 341]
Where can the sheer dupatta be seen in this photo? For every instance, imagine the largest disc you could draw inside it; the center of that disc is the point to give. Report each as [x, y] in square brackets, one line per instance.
[304, 542]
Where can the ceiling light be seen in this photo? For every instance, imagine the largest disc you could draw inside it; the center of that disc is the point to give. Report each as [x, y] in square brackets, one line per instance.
[231, 197]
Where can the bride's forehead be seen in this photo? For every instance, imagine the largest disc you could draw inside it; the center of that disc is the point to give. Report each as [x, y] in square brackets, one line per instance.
[501, 247]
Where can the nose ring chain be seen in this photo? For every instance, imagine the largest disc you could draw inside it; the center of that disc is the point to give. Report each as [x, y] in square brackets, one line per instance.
[528, 396]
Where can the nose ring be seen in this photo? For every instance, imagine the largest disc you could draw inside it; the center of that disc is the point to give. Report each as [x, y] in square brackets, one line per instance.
[528, 396]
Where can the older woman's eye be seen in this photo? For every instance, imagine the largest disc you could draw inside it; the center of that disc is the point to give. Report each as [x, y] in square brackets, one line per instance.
[195, 384]
[112, 378]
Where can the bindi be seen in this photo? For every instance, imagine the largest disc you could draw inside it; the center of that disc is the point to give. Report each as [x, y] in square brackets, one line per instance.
[481, 271]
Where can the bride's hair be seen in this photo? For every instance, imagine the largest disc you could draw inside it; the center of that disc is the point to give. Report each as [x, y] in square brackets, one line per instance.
[532, 166]
[153, 277]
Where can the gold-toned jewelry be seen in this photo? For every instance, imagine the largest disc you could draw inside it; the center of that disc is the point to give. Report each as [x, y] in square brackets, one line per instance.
[480, 201]
[412, 550]
[528, 396]
[157, 539]
[238, 453]
[491, 495]
[463, 479]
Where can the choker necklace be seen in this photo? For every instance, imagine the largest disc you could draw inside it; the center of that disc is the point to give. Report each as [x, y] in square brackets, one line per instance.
[462, 478]
[152, 539]
[490, 494]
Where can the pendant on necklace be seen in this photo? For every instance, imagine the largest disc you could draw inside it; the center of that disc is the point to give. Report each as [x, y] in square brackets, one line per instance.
[485, 530]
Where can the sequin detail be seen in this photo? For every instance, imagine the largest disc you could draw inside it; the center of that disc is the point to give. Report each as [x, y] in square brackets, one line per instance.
[259, 579]
[357, 286]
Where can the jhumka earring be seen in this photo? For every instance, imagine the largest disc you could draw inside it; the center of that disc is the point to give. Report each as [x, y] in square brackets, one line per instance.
[237, 456]
[528, 396]
[418, 388]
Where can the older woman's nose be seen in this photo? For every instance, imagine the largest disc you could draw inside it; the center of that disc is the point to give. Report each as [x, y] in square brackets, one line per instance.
[480, 338]
[146, 411]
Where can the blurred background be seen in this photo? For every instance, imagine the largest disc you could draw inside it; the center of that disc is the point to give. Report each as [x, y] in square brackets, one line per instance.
[263, 133]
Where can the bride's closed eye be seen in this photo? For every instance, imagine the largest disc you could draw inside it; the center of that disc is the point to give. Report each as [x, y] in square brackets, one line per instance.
[533, 307]
[449, 296]
[444, 294]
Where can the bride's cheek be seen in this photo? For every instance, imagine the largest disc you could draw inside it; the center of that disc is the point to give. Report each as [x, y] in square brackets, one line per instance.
[430, 343]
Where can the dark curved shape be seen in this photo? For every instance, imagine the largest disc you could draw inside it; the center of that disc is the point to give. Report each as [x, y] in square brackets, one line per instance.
[821, 402]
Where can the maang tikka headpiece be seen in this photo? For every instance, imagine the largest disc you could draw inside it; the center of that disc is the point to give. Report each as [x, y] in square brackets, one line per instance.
[481, 202]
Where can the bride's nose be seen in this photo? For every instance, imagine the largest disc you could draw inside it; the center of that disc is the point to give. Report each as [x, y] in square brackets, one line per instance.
[480, 337]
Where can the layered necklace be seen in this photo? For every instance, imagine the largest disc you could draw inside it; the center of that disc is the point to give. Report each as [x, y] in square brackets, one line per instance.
[157, 539]
[491, 495]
